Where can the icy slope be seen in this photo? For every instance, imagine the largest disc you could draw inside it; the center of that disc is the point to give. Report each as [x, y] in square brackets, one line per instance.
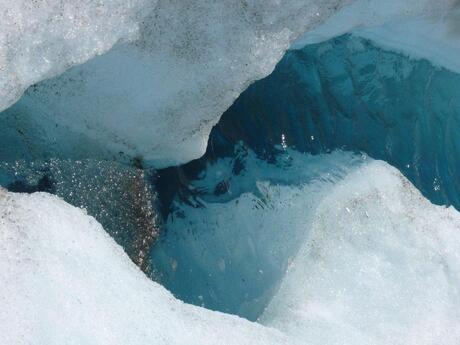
[64, 281]
[249, 219]
[380, 265]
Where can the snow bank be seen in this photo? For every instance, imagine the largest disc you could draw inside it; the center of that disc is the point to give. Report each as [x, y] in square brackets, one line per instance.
[65, 281]
[380, 266]
[437, 41]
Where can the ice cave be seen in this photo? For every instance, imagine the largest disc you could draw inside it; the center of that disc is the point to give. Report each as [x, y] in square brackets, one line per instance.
[227, 172]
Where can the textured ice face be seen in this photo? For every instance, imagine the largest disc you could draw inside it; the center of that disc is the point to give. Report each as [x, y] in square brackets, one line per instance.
[158, 97]
[368, 243]
[40, 39]
[119, 197]
[349, 93]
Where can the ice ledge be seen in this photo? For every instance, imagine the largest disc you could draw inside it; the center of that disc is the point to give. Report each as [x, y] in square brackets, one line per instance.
[65, 281]
[419, 29]
[158, 97]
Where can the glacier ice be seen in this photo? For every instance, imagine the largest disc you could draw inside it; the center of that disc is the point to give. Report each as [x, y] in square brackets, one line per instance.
[421, 29]
[342, 249]
[65, 281]
[182, 68]
[376, 263]
[368, 258]
[158, 97]
[120, 197]
[177, 68]
[349, 93]
[380, 265]
[227, 245]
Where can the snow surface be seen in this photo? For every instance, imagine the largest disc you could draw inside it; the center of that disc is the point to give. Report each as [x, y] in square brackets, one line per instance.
[379, 264]
[64, 281]
[435, 40]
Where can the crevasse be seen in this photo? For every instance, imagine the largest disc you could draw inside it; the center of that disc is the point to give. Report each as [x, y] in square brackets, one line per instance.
[287, 220]
[345, 93]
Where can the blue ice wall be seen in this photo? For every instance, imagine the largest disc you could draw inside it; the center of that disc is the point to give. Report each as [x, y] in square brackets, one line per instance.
[348, 93]
[228, 244]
